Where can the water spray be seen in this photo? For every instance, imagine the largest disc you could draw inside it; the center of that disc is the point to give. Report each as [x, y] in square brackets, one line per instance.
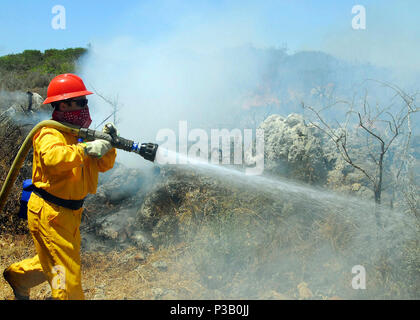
[146, 150]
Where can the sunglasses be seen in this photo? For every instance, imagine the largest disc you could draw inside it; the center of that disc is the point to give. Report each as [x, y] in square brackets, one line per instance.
[82, 103]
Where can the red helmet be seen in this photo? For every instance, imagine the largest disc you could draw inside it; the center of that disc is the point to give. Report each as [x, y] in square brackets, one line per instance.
[65, 86]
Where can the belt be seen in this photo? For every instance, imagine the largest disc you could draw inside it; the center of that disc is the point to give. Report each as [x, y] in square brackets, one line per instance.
[69, 204]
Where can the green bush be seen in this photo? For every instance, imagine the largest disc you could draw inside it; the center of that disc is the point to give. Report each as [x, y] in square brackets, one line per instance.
[34, 69]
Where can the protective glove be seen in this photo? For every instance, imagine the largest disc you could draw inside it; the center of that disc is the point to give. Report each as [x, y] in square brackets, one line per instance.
[110, 128]
[97, 148]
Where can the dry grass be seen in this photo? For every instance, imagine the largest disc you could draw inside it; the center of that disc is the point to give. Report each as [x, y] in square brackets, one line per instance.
[125, 275]
[117, 275]
[233, 245]
[180, 272]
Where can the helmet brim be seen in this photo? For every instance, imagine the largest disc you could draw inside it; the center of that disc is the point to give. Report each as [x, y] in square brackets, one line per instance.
[65, 96]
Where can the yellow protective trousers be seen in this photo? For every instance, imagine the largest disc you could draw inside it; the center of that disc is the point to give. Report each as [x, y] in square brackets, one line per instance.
[55, 231]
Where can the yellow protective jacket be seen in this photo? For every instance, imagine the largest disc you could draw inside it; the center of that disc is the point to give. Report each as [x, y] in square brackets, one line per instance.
[61, 167]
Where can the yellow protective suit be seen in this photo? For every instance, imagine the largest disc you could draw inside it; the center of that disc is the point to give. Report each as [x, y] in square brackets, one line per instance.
[60, 167]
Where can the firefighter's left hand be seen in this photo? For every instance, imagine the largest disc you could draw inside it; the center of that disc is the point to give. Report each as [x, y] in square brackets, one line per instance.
[97, 148]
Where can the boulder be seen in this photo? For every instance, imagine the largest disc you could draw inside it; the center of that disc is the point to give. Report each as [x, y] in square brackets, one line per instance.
[294, 149]
[18, 106]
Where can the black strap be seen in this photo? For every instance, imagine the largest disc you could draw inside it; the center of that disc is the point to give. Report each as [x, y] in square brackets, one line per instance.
[69, 204]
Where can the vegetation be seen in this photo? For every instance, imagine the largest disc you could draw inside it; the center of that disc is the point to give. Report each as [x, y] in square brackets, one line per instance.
[33, 69]
[378, 142]
[215, 237]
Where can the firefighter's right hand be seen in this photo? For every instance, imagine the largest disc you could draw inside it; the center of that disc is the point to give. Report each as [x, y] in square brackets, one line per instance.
[97, 148]
[110, 128]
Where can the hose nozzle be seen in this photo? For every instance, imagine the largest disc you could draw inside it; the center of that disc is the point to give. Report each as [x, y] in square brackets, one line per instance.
[146, 150]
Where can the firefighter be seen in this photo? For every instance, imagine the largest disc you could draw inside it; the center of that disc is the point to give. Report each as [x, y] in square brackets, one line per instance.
[65, 170]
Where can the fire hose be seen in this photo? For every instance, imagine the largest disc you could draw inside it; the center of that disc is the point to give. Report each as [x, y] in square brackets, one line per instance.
[146, 150]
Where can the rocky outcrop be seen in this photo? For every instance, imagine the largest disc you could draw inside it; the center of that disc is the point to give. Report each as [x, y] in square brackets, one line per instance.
[299, 150]
[15, 105]
[296, 150]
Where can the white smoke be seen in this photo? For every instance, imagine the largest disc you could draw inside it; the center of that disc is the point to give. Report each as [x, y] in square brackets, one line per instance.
[158, 86]
[192, 72]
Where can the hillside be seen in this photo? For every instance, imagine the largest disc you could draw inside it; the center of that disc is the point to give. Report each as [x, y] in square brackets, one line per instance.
[204, 233]
[32, 70]
[212, 232]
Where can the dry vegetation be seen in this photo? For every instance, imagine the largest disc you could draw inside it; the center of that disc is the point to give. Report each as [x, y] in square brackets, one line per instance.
[214, 239]
[221, 262]
[119, 275]
[219, 239]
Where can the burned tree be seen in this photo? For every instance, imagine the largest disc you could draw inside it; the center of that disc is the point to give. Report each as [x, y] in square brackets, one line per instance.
[115, 107]
[372, 137]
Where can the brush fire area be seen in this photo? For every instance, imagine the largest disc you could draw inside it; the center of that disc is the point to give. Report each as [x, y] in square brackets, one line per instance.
[182, 232]
[209, 158]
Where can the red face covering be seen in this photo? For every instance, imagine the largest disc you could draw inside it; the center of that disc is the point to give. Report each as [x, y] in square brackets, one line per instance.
[78, 117]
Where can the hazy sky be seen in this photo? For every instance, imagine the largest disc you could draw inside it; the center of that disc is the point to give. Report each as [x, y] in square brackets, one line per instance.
[165, 60]
[391, 36]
